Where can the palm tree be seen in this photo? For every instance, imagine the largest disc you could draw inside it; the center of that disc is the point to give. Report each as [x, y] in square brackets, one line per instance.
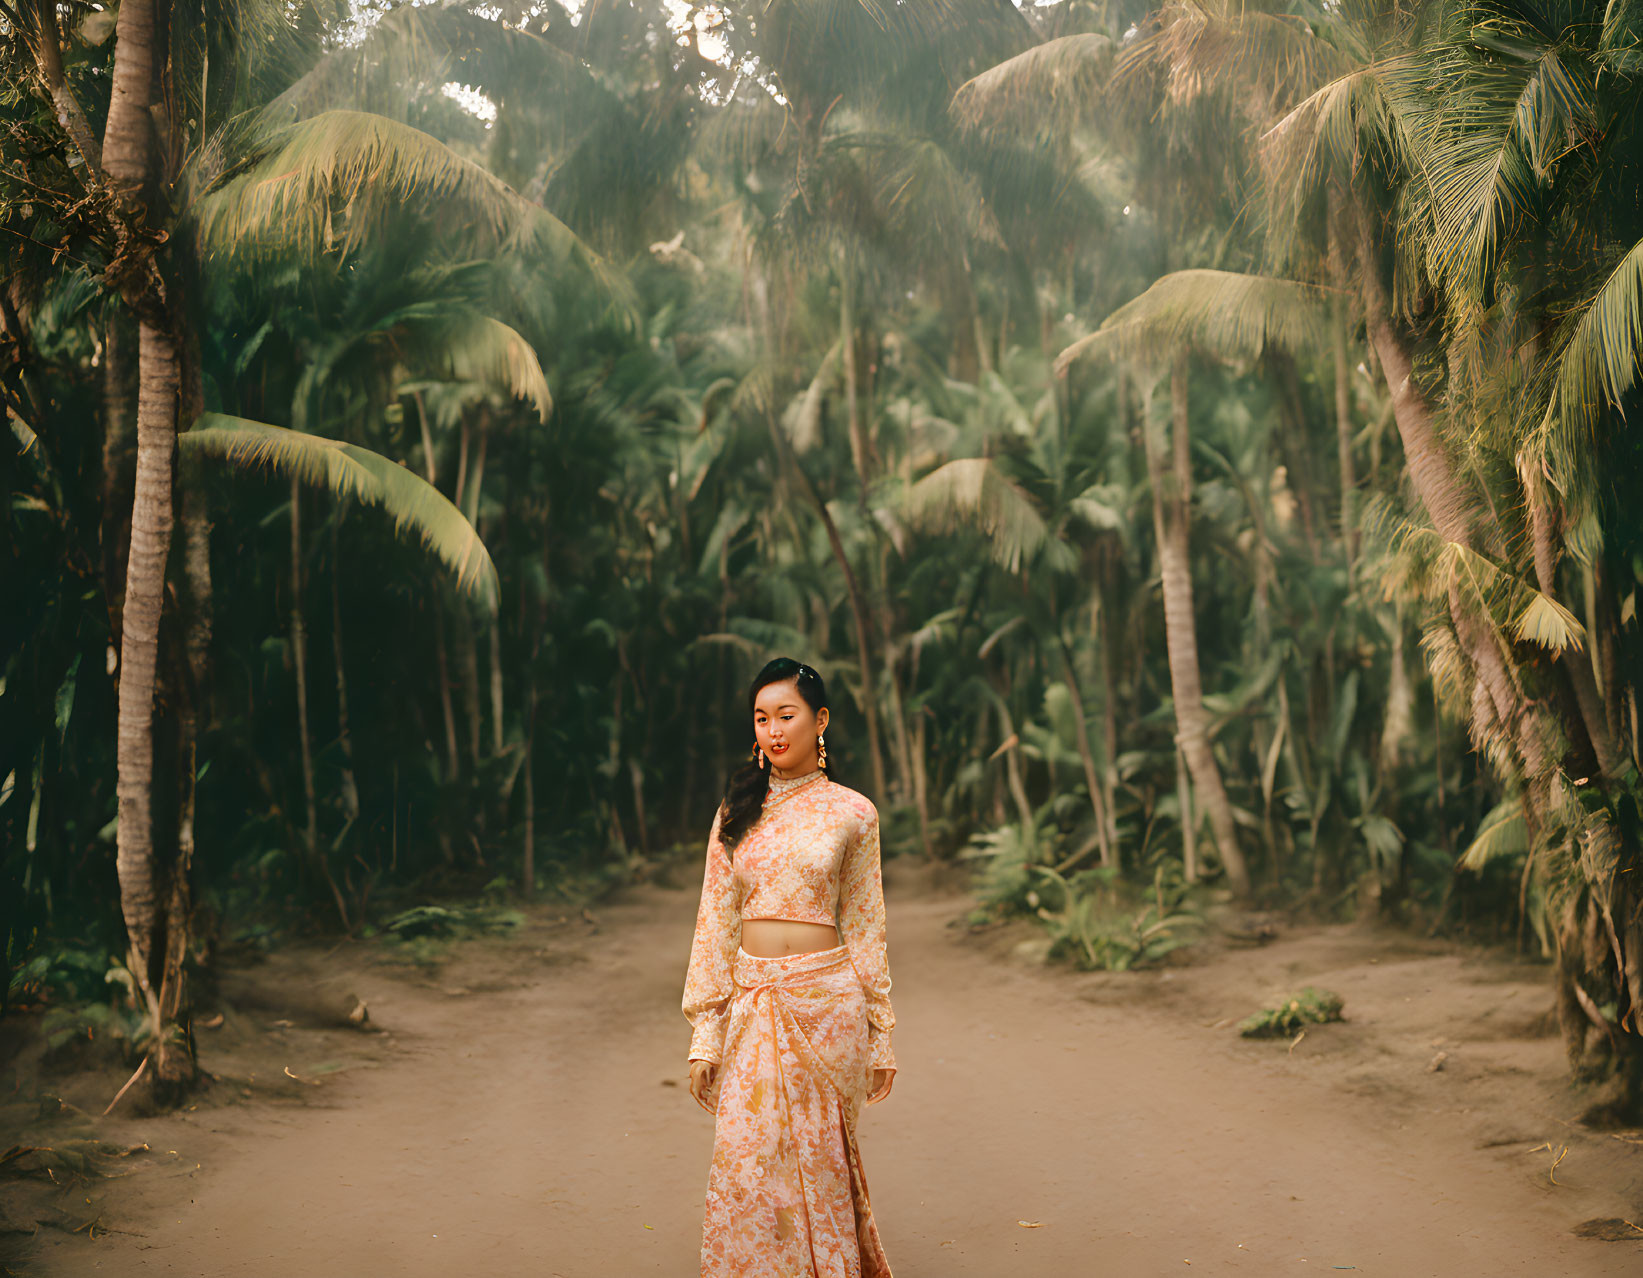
[1236, 316]
[367, 163]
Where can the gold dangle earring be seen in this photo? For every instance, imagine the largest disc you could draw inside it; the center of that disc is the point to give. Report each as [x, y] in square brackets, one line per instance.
[821, 753]
[759, 755]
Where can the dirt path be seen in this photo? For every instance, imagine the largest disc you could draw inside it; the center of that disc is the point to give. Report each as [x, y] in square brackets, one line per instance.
[524, 1114]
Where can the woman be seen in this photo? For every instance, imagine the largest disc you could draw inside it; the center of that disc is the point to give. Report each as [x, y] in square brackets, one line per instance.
[790, 1027]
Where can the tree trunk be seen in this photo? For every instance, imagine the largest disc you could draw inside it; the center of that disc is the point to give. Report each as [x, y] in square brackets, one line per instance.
[1091, 778]
[858, 608]
[136, 860]
[441, 657]
[1339, 263]
[1170, 496]
[467, 657]
[49, 53]
[305, 740]
[442, 663]
[1012, 760]
[117, 395]
[860, 448]
[345, 736]
[153, 901]
[497, 706]
[126, 131]
[921, 789]
[1343, 442]
[1189, 818]
[1448, 504]
[527, 868]
[174, 1066]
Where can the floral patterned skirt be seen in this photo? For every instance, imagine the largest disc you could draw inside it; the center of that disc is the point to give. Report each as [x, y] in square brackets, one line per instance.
[786, 1197]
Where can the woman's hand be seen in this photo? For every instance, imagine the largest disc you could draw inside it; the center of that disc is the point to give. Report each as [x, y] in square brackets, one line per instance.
[883, 1079]
[702, 1076]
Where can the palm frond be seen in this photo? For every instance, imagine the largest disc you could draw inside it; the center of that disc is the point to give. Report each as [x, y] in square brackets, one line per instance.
[1202, 47]
[1332, 132]
[1548, 623]
[802, 418]
[478, 348]
[330, 181]
[1049, 90]
[1601, 360]
[1501, 833]
[1228, 314]
[426, 47]
[1620, 47]
[348, 471]
[973, 492]
[1492, 144]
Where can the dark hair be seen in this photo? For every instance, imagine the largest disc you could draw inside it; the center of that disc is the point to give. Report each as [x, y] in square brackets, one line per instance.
[744, 796]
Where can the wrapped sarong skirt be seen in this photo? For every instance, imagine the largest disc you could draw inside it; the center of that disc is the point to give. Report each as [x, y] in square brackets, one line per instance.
[786, 1197]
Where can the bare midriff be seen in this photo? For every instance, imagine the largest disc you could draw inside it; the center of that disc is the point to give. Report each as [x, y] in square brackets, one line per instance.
[773, 938]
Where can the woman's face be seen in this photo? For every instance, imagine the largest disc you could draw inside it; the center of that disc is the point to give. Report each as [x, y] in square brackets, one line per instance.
[787, 728]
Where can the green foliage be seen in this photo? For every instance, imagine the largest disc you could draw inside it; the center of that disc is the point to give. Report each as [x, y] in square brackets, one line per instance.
[60, 976]
[348, 471]
[676, 363]
[1289, 1016]
[449, 921]
[1099, 927]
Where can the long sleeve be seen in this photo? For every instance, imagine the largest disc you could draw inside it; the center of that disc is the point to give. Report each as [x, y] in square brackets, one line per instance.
[862, 925]
[709, 983]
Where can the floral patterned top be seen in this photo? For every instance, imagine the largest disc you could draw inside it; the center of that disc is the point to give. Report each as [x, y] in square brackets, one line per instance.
[811, 857]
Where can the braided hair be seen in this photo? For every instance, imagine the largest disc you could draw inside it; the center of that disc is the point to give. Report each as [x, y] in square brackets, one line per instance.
[745, 794]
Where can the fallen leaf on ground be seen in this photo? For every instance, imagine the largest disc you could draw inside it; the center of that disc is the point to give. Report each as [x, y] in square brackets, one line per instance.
[1030, 1224]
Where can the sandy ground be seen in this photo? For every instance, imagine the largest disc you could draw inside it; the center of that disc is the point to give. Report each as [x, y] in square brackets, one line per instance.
[521, 1110]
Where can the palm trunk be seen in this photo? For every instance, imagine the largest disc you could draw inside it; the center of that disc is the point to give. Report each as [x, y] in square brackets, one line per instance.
[1091, 778]
[49, 53]
[441, 657]
[345, 737]
[1343, 442]
[1189, 819]
[494, 625]
[1012, 760]
[1339, 262]
[136, 861]
[892, 681]
[175, 1067]
[156, 928]
[126, 131]
[497, 705]
[299, 664]
[860, 453]
[1170, 521]
[117, 388]
[858, 608]
[921, 789]
[467, 656]
[527, 868]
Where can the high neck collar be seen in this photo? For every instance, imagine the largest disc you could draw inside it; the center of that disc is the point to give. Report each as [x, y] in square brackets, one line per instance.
[780, 785]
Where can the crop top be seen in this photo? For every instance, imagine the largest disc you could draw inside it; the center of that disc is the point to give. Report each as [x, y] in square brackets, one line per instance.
[812, 856]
